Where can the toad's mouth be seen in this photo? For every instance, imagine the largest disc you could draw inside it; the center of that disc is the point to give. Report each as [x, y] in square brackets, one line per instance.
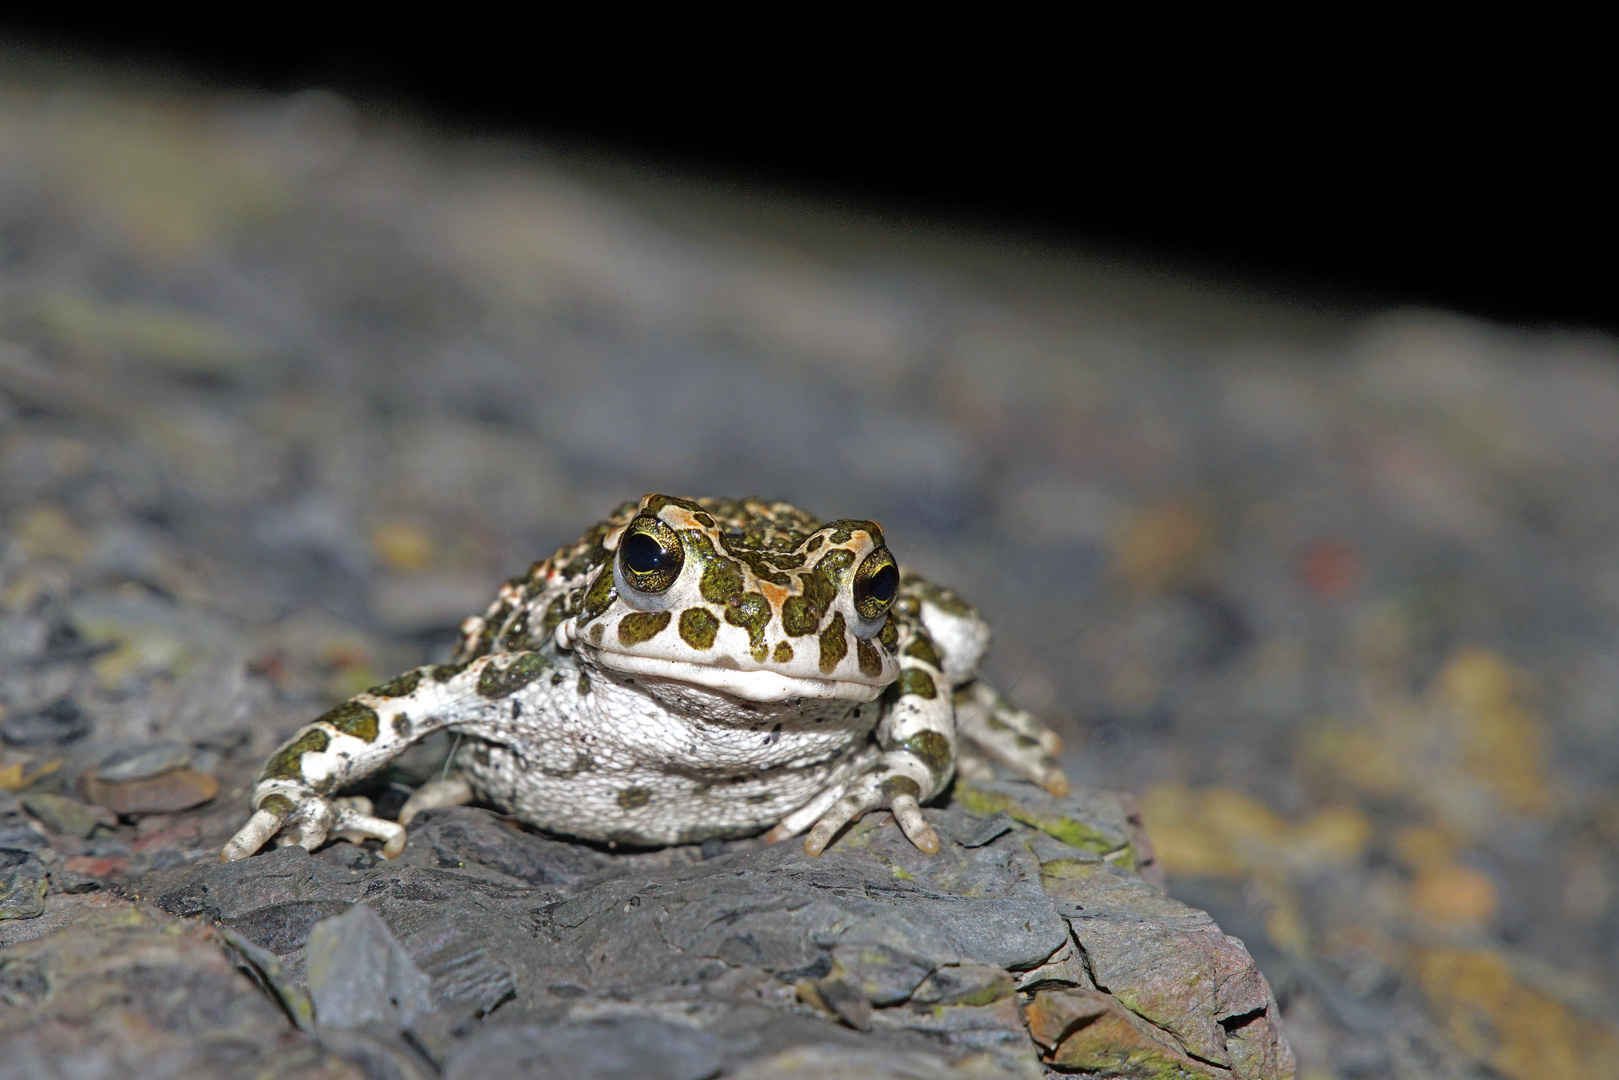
[756, 685]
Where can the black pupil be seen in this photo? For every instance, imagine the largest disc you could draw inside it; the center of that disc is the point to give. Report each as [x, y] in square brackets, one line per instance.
[645, 555]
[883, 584]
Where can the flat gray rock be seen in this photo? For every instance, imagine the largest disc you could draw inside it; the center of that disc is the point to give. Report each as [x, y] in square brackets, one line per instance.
[506, 952]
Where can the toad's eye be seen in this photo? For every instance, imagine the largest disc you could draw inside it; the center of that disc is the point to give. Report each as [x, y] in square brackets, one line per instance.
[876, 583]
[649, 561]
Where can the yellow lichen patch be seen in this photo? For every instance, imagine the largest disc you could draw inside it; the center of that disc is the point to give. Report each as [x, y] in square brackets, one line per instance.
[46, 533]
[159, 175]
[171, 339]
[1162, 546]
[142, 648]
[1453, 896]
[1336, 835]
[1444, 892]
[1367, 759]
[1471, 747]
[1223, 832]
[1522, 1032]
[11, 776]
[401, 545]
[1503, 741]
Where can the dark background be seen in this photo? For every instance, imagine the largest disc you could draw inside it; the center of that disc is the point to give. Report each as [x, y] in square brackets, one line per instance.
[1342, 183]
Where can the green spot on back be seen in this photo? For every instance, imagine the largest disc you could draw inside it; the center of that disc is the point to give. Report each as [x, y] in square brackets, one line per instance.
[698, 627]
[642, 626]
[555, 612]
[721, 580]
[783, 653]
[600, 595]
[523, 669]
[834, 643]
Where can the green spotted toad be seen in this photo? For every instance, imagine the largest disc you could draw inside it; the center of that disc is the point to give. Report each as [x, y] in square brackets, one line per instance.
[689, 669]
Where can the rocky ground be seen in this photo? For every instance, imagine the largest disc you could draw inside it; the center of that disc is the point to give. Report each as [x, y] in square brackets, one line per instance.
[286, 390]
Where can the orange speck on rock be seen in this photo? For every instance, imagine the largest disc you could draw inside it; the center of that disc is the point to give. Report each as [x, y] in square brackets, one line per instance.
[1330, 568]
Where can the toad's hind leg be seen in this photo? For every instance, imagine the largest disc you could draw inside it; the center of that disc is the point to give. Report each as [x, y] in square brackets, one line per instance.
[452, 789]
[1009, 735]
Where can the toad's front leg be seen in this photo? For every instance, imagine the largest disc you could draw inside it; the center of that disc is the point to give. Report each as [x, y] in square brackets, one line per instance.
[914, 758]
[294, 795]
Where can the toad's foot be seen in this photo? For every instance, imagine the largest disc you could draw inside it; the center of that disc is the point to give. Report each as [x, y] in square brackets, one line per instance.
[1009, 735]
[449, 790]
[888, 784]
[308, 822]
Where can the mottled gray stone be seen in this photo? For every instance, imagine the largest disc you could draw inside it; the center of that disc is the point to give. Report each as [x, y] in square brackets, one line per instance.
[536, 936]
[23, 883]
[59, 723]
[618, 1048]
[142, 762]
[67, 816]
[359, 974]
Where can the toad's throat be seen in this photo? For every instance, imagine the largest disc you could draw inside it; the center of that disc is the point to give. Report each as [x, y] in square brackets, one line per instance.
[757, 685]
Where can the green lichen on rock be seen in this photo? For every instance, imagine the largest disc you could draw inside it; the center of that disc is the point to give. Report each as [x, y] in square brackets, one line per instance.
[1067, 829]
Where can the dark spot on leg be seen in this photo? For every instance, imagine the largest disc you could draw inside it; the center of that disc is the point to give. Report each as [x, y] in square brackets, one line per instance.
[931, 749]
[900, 785]
[916, 681]
[279, 805]
[286, 763]
[352, 718]
[922, 649]
[402, 686]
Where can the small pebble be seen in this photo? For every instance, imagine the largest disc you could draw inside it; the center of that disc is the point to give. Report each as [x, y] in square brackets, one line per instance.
[143, 762]
[67, 816]
[96, 866]
[58, 723]
[23, 882]
[21, 836]
[177, 789]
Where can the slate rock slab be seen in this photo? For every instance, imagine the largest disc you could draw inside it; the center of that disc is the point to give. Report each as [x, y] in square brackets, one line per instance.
[1029, 941]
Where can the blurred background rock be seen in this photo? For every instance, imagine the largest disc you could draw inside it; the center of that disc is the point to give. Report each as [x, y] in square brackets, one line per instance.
[287, 385]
